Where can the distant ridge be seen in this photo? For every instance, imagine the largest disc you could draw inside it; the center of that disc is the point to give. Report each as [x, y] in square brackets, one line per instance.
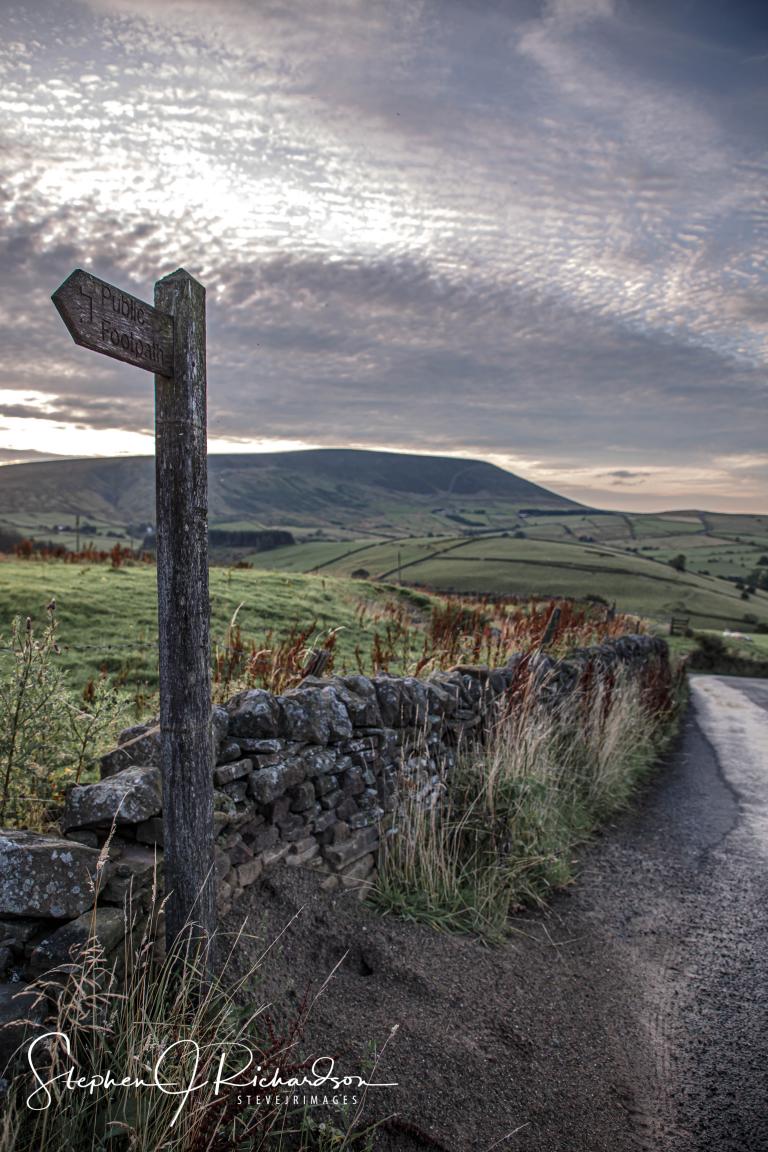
[334, 488]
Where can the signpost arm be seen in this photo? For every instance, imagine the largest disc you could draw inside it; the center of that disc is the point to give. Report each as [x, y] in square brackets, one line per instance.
[183, 617]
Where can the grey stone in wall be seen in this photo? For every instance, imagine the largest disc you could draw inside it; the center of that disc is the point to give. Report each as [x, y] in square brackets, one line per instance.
[137, 745]
[318, 762]
[62, 945]
[389, 693]
[261, 747]
[44, 876]
[229, 751]
[269, 783]
[358, 844]
[302, 797]
[442, 698]
[253, 714]
[358, 694]
[223, 804]
[228, 772]
[132, 876]
[131, 796]
[415, 693]
[314, 715]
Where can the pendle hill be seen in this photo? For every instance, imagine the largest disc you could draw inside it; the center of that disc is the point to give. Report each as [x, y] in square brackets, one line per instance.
[341, 490]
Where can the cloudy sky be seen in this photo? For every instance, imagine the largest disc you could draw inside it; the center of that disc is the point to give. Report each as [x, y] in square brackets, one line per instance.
[529, 230]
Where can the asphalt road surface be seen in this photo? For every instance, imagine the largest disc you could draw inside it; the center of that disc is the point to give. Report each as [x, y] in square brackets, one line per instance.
[681, 893]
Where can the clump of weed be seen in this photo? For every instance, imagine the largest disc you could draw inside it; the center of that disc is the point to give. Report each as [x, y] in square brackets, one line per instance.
[49, 734]
[276, 663]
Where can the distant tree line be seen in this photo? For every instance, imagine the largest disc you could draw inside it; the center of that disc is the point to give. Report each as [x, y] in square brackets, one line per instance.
[254, 539]
[261, 540]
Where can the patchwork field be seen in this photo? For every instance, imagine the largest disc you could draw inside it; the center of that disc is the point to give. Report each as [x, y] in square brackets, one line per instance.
[505, 565]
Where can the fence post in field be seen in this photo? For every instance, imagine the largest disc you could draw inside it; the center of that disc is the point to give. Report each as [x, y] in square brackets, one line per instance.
[551, 629]
[183, 615]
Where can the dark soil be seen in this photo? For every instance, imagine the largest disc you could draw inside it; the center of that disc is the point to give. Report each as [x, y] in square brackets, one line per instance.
[623, 1018]
[489, 1039]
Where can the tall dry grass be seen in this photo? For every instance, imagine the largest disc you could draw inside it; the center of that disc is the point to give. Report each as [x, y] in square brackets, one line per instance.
[498, 828]
[403, 637]
[119, 1020]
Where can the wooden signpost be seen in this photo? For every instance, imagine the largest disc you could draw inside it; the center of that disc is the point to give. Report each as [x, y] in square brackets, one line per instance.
[169, 340]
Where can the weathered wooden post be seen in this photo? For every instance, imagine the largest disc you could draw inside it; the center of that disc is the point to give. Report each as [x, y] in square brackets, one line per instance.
[169, 340]
[181, 469]
[551, 628]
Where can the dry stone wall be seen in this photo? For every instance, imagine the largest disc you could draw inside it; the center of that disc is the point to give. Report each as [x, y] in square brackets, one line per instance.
[305, 779]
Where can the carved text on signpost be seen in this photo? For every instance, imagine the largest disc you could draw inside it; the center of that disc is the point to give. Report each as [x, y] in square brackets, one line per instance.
[106, 319]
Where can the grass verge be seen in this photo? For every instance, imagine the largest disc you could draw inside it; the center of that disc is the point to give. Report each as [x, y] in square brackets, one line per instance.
[498, 828]
[713, 655]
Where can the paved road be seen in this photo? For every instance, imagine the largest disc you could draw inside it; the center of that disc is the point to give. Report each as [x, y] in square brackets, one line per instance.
[630, 1016]
[680, 894]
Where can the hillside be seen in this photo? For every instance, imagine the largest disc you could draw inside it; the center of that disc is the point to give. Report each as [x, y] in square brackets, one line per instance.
[336, 491]
[107, 617]
[506, 565]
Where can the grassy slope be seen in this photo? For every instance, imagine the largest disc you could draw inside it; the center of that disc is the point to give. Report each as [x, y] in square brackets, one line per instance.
[753, 647]
[505, 565]
[713, 543]
[108, 617]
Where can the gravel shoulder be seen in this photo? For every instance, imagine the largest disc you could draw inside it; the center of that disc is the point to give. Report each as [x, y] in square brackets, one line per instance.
[631, 1015]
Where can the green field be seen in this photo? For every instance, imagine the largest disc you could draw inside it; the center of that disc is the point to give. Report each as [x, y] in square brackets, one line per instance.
[713, 543]
[108, 617]
[750, 647]
[312, 556]
[505, 565]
